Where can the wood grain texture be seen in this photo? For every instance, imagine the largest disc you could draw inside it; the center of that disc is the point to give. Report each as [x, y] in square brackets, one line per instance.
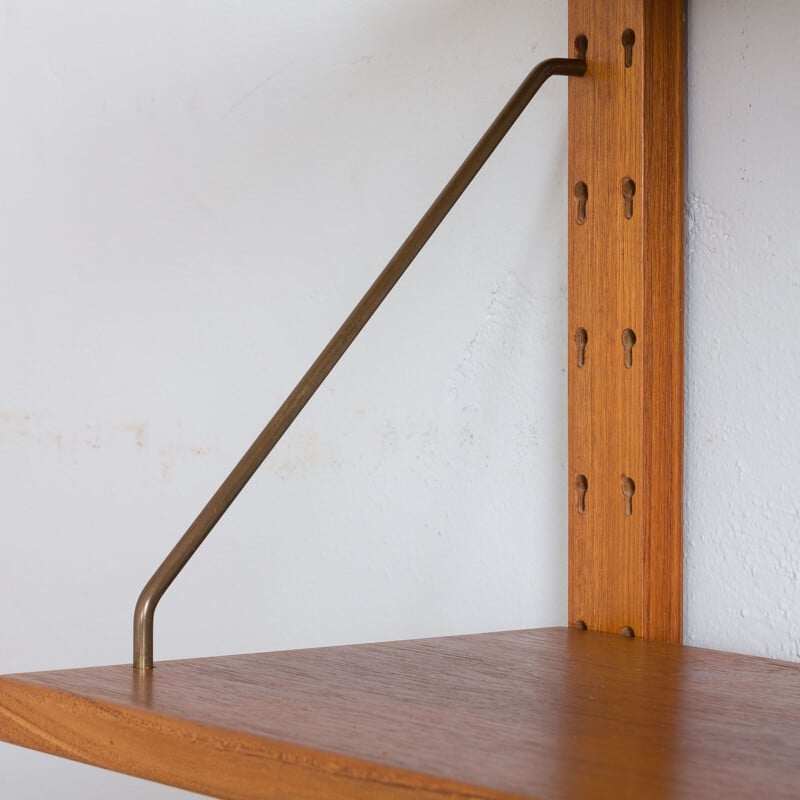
[626, 272]
[552, 713]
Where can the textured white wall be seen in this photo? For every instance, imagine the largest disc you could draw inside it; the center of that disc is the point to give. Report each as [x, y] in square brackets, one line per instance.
[195, 193]
[742, 311]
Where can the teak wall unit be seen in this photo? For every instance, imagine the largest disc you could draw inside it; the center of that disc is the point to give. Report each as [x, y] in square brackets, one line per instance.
[612, 706]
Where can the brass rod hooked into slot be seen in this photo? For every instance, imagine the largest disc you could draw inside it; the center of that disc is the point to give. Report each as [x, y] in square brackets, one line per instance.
[230, 488]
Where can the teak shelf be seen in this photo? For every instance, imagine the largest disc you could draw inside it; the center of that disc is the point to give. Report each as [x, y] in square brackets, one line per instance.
[611, 707]
[552, 713]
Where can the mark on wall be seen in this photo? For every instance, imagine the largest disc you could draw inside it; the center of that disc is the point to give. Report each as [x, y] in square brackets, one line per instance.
[300, 453]
[71, 440]
[172, 454]
[138, 430]
[497, 330]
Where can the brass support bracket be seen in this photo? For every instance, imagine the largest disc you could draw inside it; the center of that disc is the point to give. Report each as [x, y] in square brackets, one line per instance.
[206, 520]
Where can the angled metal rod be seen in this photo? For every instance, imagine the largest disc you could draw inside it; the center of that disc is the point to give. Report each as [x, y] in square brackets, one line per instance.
[334, 350]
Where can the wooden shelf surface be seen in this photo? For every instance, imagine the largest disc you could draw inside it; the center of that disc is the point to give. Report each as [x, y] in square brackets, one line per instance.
[551, 713]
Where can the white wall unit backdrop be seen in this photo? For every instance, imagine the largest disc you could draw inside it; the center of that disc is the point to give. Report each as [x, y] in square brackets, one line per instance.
[193, 196]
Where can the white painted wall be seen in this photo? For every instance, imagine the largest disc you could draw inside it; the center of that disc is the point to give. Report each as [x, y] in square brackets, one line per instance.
[193, 196]
[742, 312]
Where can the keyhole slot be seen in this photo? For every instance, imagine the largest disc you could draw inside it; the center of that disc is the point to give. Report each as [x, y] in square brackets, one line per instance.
[581, 340]
[628, 191]
[581, 487]
[628, 341]
[628, 490]
[581, 193]
[628, 39]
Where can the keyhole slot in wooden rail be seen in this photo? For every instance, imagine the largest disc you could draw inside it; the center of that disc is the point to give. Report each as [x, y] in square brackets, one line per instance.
[581, 193]
[581, 340]
[628, 490]
[628, 342]
[581, 488]
[628, 40]
[628, 191]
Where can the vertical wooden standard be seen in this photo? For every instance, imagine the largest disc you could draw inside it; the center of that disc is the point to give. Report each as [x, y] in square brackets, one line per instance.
[626, 165]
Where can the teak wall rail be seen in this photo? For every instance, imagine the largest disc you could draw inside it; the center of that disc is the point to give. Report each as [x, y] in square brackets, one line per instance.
[626, 178]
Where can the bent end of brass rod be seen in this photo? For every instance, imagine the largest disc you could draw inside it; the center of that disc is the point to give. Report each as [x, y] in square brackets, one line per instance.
[571, 67]
[143, 632]
[161, 580]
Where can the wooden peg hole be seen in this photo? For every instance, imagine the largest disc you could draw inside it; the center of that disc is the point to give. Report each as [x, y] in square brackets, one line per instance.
[628, 39]
[628, 191]
[580, 625]
[581, 46]
[627, 632]
[581, 192]
[581, 487]
[581, 340]
[628, 490]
